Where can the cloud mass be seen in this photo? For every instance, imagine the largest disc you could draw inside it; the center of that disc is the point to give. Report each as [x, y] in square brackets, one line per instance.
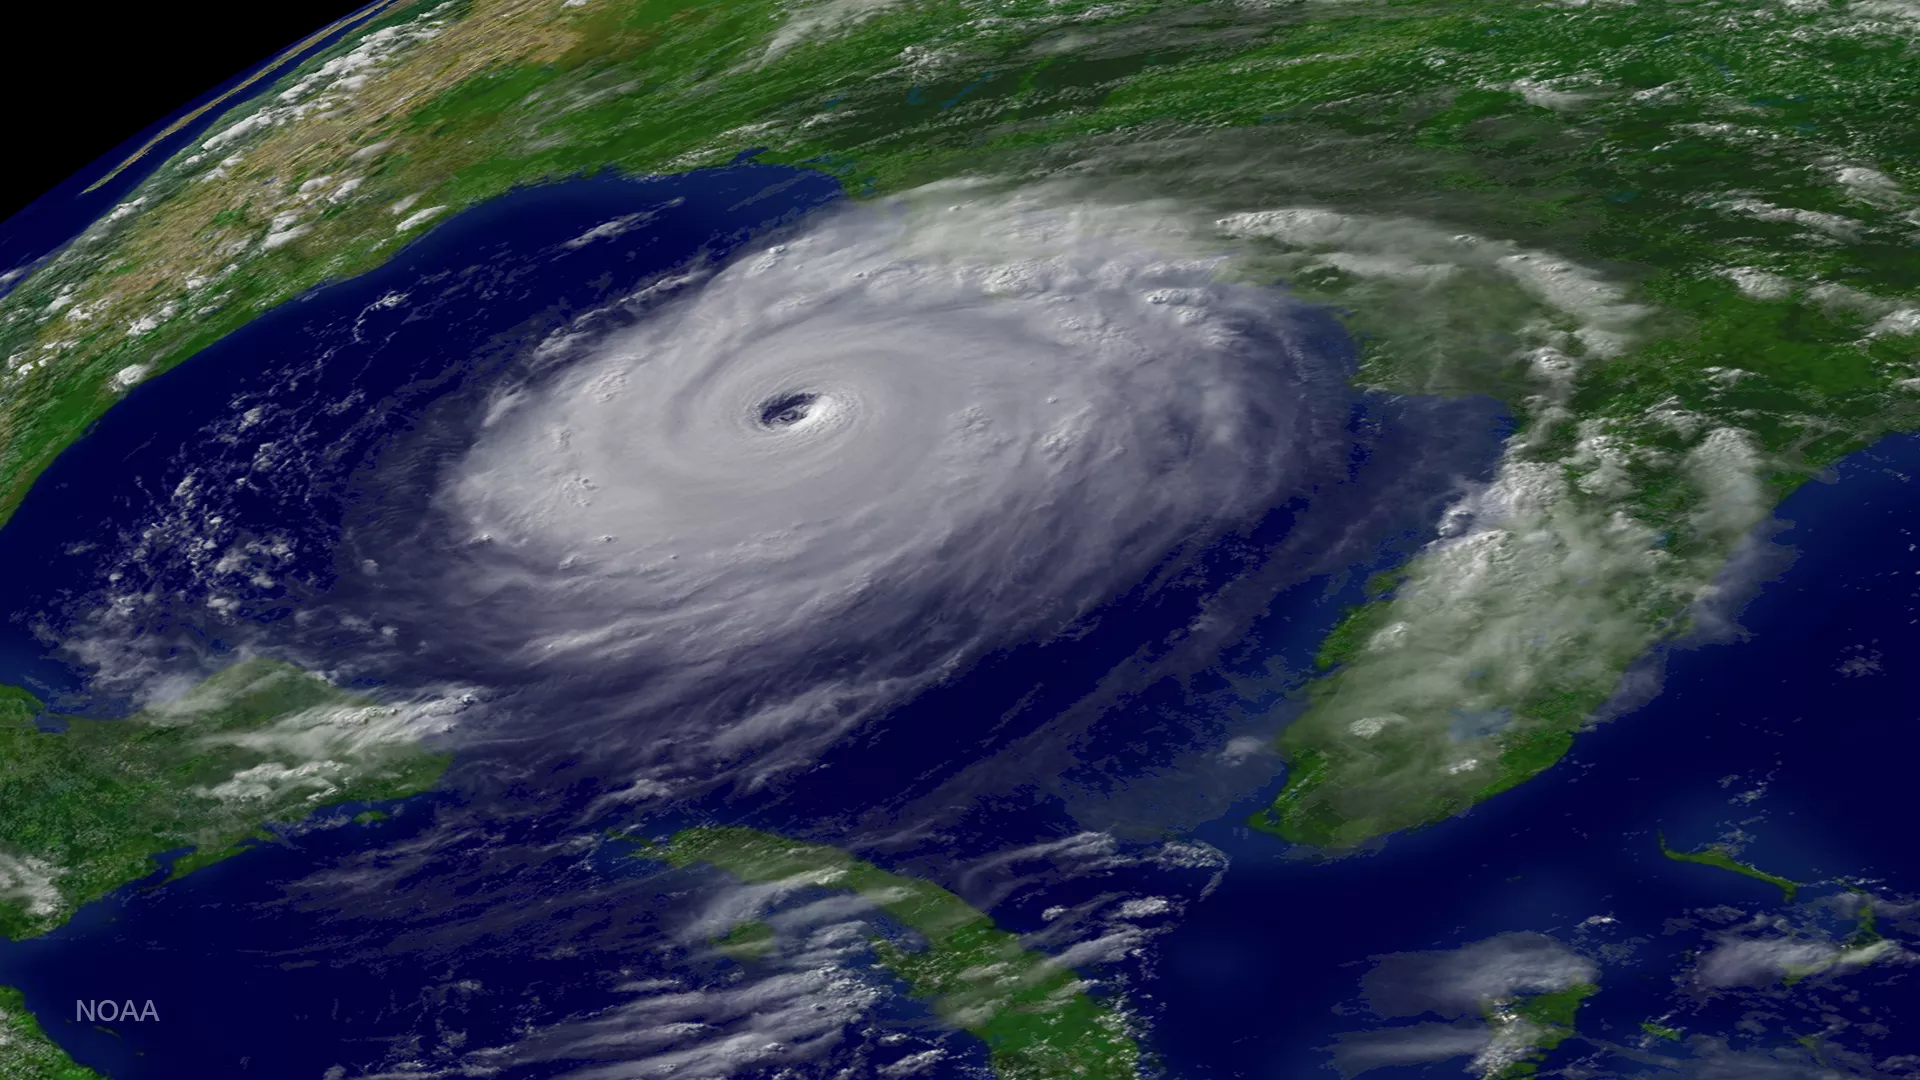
[854, 461]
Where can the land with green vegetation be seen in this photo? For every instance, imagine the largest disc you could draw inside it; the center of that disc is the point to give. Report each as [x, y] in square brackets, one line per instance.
[748, 941]
[1864, 946]
[1717, 855]
[1527, 1029]
[1035, 1016]
[1661, 1031]
[241, 89]
[92, 806]
[88, 806]
[1675, 240]
[25, 1051]
[1866, 929]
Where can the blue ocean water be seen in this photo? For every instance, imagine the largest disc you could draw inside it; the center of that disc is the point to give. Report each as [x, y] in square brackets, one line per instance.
[255, 968]
[1256, 979]
[241, 957]
[483, 287]
[480, 290]
[1812, 704]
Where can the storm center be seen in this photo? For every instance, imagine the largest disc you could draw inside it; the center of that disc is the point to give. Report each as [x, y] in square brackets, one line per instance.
[787, 410]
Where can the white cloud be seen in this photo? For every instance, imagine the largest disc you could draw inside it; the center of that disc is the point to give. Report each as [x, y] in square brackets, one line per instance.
[1726, 468]
[1548, 96]
[329, 84]
[1902, 321]
[784, 1019]
[809, 19]
[1145, 906]
[271, 780]
[1409, 252]
[354, 732]
[1833, 225]
[1737, 960]
[1463, 982]
[1759, 284]
[29, 882]
[1000, 410]
[418, 217]
[1473, 986]
[1410, 1044]
[1869, 185]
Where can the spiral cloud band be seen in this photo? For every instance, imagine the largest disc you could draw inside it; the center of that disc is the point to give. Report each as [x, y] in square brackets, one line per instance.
[853, 461]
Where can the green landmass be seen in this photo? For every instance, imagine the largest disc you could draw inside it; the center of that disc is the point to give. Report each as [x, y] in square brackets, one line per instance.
[1555, 1010]
[1866, 922]
[748, 941]
[1862, 947]
[1036, 1018]
[1673, 239]
[1660, 1031]
[1536, 1025]
[1716, 855]
[25, 1051]
[92, 806]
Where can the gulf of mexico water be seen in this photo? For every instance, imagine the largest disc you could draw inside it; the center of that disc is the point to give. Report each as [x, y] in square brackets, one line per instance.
[480, 290]
[1810, 711]
[1257, 976]
[338, 373]
[257, 966]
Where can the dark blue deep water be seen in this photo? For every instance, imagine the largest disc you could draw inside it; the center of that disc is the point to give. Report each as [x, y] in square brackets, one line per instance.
[481, 289]
[259, 967]
[1816, 699]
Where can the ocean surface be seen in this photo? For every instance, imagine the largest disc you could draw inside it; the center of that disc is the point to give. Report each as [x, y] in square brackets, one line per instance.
[481, 289]
[338, 373]
[1796, 728]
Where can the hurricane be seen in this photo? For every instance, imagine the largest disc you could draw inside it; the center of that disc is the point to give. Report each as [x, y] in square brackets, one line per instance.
[855, 460]
[1032, 540]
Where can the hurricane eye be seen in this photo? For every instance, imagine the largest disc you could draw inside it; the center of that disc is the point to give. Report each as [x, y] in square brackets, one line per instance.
[786, 410]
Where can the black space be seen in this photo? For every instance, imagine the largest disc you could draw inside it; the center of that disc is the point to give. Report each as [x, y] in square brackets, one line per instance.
[80, 79]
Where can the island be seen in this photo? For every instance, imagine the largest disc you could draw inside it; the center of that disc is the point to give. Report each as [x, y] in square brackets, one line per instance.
[1720, 857]
[1034, 1014]
[1527, 1028]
